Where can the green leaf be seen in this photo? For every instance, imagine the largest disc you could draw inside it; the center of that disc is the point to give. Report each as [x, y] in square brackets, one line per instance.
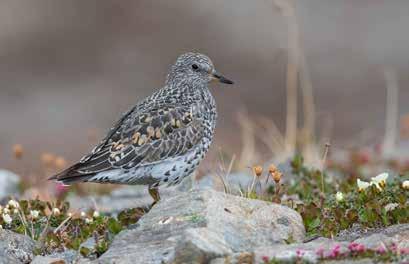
[85, 251]
[114, 226]
[315, 223]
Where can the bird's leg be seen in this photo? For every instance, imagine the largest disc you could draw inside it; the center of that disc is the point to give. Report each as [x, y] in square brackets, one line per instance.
[154, 192]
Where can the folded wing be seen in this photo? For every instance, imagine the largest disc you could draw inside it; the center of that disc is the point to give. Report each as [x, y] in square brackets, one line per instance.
[140, 138]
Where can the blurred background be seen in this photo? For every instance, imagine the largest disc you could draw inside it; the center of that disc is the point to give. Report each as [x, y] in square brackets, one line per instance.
[70, 68]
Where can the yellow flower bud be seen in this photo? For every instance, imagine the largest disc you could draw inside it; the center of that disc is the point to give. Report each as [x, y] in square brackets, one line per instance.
[258, 170]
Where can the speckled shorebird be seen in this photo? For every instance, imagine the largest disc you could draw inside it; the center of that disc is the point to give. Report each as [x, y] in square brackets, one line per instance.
[163, 138]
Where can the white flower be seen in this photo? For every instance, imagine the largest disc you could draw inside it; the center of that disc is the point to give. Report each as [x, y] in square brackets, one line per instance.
[391, 206]
[339, 196]
[56, 211]
[1, 227]
[15, 211]
[88, 220]
[380, 180]
[13, 204]
[34, 214]
[405, 184]
[69, 214]
[95, 214]
[7, 218]
[6, 211]
[83, 214]
[362, 185]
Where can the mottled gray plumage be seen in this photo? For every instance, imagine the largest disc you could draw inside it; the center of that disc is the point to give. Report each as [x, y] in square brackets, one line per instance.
[163, 138]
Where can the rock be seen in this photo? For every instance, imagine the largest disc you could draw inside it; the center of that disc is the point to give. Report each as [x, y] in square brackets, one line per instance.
[9, 184]
[199, 226]
[89, 243]
[87, 248]
[119, 200]
[306, 251]
[350, 261]
[15, 248]
[66, 257]
[69, 256]
[237, 258]
[6, 259]
[354, 232]
[48, 260]
[136, 196]
[397, 235]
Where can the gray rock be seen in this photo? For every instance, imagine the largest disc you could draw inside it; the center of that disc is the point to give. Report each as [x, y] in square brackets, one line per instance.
[15, 248]
[48, 260]
[368, 237]
[68, 256]
[9, 184]
[236, 258]
[119, 200]
[219, 261]
[136, 196]
[352, 233]
[198, 226]
[350, 261]
[397, 234]
[89, 243]
[6, 259]
[89, 246]
[305, 251]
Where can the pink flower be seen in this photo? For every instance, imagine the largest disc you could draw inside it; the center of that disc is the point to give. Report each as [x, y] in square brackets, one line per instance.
[299, 253]
[335, 252]
[320, 252]
[381, 249]
[404, 251]
[360, 248]
[356, 247]
[352, 246]
[265, 259]
[394, 247]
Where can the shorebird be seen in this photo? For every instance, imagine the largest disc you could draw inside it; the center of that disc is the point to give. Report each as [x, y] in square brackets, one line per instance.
[163, 138]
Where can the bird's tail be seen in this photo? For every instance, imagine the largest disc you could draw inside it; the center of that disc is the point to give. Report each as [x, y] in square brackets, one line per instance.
[71, 175]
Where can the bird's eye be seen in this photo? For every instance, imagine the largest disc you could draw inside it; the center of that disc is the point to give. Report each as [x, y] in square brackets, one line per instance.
[195, 67]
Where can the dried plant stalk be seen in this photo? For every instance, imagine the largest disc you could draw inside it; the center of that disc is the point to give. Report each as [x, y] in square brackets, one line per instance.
[392, 111]
[287, 9]
[310, 151]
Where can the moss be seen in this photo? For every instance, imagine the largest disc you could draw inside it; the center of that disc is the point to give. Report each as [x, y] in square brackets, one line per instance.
[196, 218]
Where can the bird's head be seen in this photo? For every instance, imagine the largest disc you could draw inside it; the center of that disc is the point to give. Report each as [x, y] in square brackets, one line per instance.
[195, 68]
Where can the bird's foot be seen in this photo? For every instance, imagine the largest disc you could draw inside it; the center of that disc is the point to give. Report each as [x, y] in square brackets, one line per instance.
[154, 192]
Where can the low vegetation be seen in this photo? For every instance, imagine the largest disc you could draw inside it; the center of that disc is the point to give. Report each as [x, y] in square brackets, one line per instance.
[54, 228]
[331, 204]
[333, 198]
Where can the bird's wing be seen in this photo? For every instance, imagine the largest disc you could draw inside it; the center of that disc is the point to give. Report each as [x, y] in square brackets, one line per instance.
[140, 138]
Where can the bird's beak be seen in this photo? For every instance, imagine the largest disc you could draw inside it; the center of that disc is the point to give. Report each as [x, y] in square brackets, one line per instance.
[216, 76]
